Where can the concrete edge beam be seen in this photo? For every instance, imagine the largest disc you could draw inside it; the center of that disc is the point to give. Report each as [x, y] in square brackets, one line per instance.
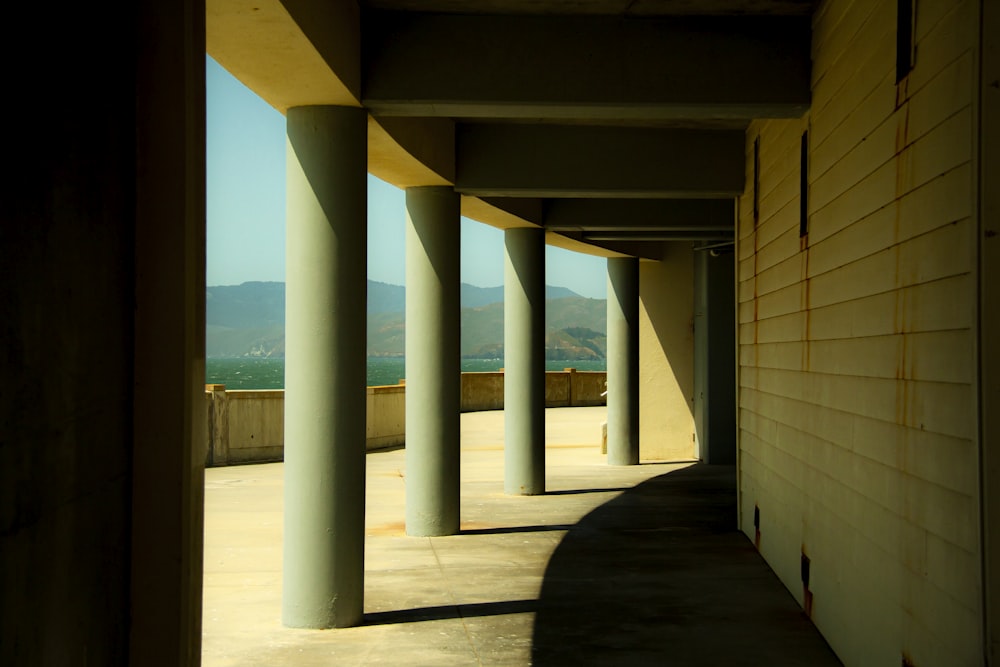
[463, 65]
[591, 161]
[263, 44]
[596, 215]
[412, 152]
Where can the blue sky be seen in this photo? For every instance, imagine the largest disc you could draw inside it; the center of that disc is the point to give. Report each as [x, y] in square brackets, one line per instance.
[246, 207]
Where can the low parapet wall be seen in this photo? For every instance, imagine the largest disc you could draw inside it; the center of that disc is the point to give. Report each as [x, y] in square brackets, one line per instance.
[563, 389]
[248, 426]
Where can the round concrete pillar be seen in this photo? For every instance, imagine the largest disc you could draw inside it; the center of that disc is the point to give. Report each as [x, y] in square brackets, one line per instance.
[623, 361]
[325, 375]
[433, 370]
[524, 361]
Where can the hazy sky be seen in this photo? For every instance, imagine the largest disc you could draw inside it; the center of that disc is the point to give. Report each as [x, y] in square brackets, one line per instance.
[246, 207]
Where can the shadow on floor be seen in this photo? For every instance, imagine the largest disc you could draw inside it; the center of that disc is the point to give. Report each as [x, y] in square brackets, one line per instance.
[661, 576]
[507, 530]
[451, 611]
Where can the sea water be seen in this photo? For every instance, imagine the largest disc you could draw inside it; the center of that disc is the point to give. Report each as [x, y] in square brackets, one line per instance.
[269, 373]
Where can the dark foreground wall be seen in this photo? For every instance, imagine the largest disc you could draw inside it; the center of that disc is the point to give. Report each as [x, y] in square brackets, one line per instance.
[66, 328]
[101, 245]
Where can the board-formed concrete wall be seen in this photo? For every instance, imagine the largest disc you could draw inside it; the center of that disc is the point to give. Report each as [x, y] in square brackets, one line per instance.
[248, 426]
[566, 388]
[857, 343]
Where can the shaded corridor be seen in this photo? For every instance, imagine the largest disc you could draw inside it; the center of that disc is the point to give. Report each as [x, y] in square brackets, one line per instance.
[660, 576]
[615, 565]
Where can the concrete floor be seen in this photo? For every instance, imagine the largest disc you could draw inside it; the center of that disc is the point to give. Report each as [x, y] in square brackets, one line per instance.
[637, 565]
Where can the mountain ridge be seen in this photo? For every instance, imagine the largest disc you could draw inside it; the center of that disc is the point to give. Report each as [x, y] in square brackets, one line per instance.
[247, 320]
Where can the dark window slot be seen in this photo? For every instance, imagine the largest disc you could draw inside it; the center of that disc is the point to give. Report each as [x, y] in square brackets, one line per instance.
[904, 38]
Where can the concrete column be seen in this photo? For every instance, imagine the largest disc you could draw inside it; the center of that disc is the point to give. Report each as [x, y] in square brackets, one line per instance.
[433, 371]
[623, 361]
[715, 356]
[524, 361]
[701, 355]
[325, 378]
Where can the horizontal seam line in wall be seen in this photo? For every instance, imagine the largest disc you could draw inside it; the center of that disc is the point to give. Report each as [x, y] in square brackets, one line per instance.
[910, 142]
[773, 218]
[910, 95]
[770, 175]
[865, 337]
[820, 16]
[887, 161]
[850, 37]
[848, 52]
[887, 378]
[836, 510]
[830, 136]
[931, 29]
[779, 205]
[908, 239]
[780, 258]
[893, 289]
[798, 283]
[856, 414]
[816, 242]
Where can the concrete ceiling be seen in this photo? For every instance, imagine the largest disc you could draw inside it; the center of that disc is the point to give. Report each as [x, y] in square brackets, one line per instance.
[612, 113]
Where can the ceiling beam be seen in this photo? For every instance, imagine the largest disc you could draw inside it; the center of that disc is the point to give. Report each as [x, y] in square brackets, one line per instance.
[646, 237]
[515, 160]
[289, 52]
[640, 215]
[723, 67]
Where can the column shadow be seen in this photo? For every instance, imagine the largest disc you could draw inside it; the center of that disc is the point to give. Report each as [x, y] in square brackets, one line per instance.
[660, 575]
[471, 610]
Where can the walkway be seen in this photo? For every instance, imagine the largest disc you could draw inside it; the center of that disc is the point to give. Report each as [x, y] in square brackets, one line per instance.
[636, 565]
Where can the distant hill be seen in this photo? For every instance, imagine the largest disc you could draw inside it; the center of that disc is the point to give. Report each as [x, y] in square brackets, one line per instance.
[253, 304]
[474, 297]
[575, 328]
[385, 298]
[245, 320]
[248, 320]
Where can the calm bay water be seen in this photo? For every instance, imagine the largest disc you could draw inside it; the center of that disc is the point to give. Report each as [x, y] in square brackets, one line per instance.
[254, 373]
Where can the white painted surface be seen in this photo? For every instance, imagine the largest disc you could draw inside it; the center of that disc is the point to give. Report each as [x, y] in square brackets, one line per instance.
[857, 363]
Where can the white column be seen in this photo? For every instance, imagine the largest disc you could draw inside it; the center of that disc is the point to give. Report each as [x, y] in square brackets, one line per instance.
[433, 369]
[623, 361]
[524, 361]
[325, 375]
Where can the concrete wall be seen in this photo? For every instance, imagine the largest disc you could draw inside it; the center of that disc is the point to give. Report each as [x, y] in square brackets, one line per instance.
[244, 426]
[857, 351]
[482, 391]
[386, 417]
[666, 356]
[566, 388]
[247, 426]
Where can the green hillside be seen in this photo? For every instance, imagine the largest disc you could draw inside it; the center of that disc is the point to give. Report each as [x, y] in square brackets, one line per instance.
[248, 320]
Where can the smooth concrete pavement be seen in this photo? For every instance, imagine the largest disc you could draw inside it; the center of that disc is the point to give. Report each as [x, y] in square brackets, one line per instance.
[614, 565]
